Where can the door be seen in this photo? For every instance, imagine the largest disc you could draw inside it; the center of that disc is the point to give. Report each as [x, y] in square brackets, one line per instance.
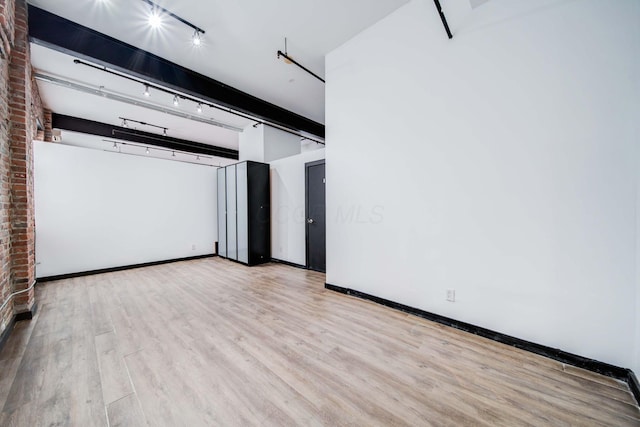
[222, 213]
[232, 219]
[315, 216]
[242, 202]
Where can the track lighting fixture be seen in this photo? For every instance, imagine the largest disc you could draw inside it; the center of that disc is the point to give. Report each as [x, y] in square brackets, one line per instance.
[187, 156]
[155, 20]
[199, 103]
[290, 60]
[176, 101]
[196, 39]
[146, 91]
[158, 12]
[115, 145]
[125, 120]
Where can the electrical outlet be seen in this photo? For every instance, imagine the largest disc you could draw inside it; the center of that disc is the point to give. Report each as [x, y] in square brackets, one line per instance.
[451, 295]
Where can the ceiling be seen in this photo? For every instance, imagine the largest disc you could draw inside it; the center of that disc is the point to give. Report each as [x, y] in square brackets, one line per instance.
[239, 49]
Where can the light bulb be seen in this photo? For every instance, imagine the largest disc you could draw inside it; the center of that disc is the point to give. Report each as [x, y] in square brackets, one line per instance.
[155, 20]
[196, 39]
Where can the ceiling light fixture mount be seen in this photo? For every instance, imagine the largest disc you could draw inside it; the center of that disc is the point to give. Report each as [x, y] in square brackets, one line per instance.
[125, 121]
[196, 39]
[155, 20]
[289, 60]
[182, 158]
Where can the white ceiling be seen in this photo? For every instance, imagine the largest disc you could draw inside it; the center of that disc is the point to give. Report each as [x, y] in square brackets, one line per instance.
[239, 49]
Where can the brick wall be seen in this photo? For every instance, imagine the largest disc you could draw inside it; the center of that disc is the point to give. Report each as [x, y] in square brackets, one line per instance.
[20, 106]
[5, 196]
[6, 27]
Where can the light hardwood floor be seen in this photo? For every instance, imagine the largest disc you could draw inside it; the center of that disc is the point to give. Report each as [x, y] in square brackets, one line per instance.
[214, 343]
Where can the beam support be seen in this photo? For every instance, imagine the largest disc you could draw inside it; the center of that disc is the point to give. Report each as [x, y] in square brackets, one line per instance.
[75, 124]
[69, 37]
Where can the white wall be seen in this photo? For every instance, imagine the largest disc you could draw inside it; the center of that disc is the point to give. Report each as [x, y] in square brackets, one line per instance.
[279, 144]
[636, 364]
[288, 207]
[251, 144]
[96, 209]
[265, 144]
[501, 164]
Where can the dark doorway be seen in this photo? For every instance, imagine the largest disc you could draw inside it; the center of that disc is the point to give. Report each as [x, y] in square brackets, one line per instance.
[315, 216]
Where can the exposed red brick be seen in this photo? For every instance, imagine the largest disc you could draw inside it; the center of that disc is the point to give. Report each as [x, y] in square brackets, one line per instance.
[20, 102]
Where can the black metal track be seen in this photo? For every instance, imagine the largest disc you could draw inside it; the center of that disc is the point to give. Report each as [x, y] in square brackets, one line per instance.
[75, 124]
[173, 15]
[280, 53]
[69, 37]
[443, 18]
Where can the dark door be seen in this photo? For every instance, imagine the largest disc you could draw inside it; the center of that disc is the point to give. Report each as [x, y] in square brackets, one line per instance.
[315, 210]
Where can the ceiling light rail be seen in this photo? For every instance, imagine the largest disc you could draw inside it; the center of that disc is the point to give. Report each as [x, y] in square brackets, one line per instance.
[118, 144]
[125, 122]
[198, 101]
[131, 101]
[286, 56]
[155, 9]
[443, 18]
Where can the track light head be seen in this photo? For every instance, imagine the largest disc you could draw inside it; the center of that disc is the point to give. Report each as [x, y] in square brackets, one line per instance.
[146, 91]
[176, 101]
[196, 39]
[147, 150]
[199, 108]
[164, 132]
[155, 19]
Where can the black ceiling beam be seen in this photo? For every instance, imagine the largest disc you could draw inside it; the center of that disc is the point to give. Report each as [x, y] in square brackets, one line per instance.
[69, 37]
[76, 124]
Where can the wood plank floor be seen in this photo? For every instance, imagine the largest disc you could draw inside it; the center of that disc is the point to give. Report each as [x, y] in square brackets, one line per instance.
[213, 343]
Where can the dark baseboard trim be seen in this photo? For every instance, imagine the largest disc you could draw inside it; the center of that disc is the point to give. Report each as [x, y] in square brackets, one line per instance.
[7, 332]
[124, 267]
[634, 385]
[27, 315]
[542, 350]
[290, 264]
